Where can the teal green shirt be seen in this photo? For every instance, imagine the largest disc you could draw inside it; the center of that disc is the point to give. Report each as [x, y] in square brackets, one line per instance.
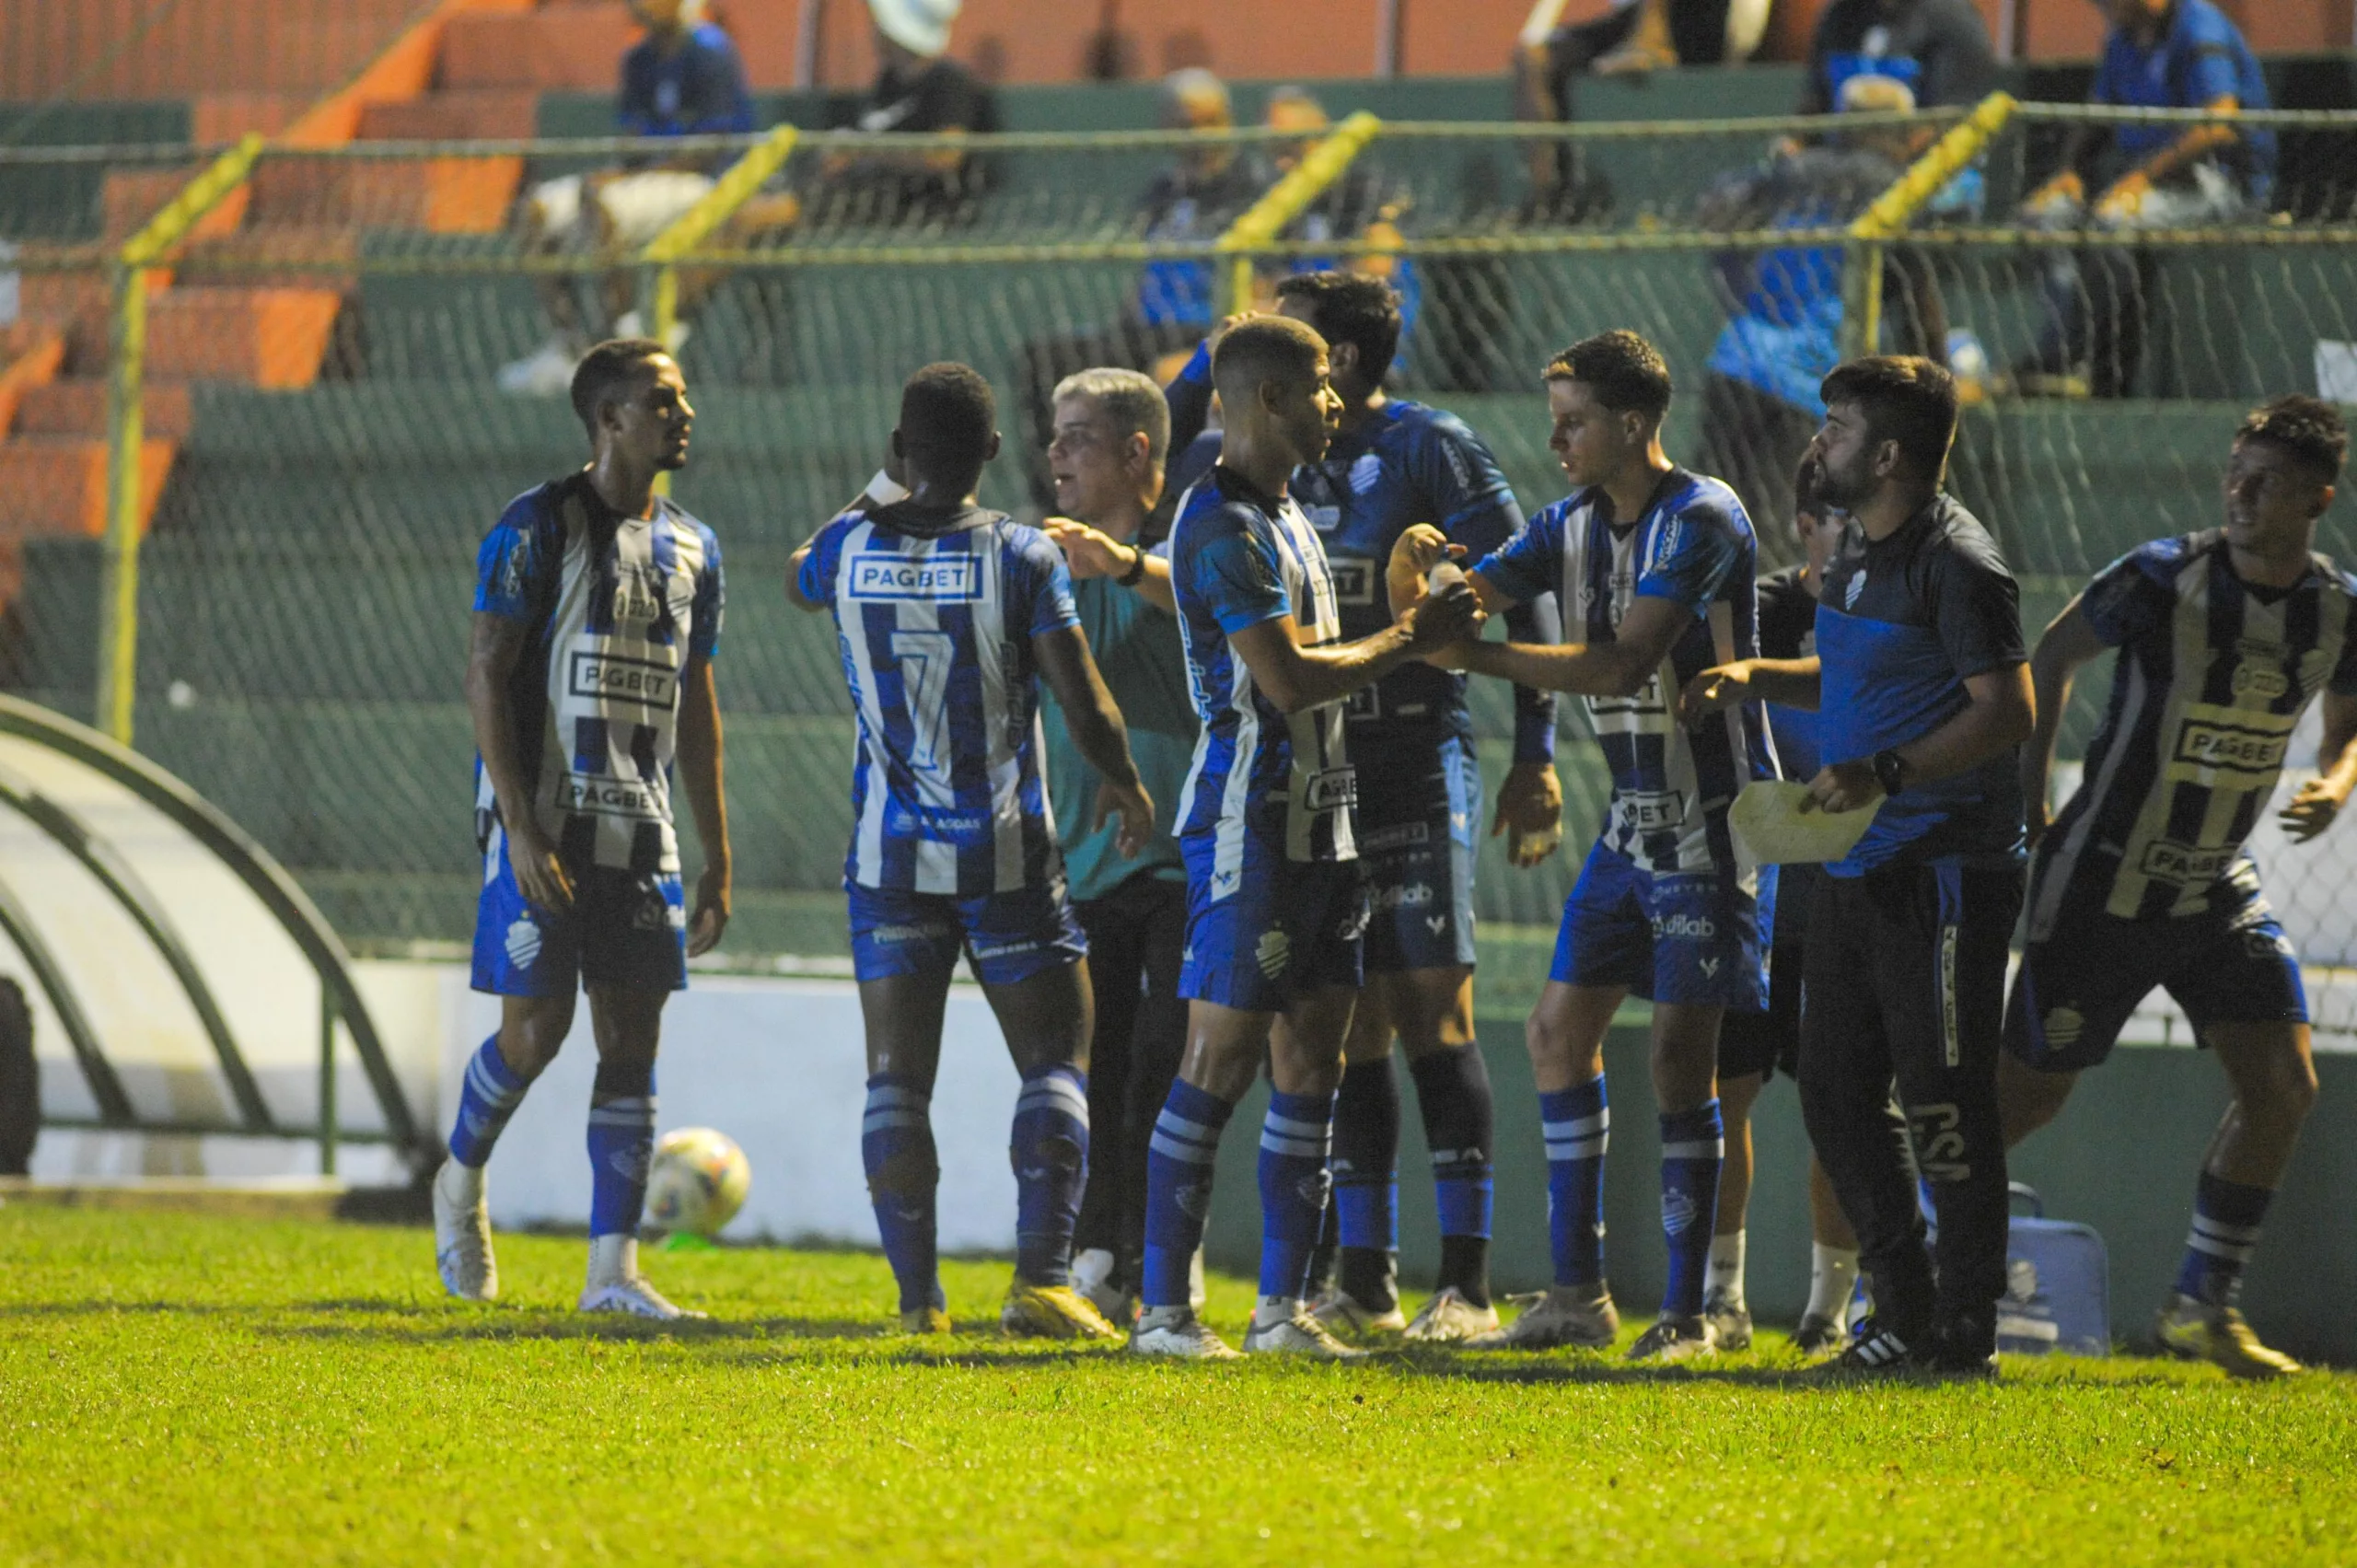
[1137, 647]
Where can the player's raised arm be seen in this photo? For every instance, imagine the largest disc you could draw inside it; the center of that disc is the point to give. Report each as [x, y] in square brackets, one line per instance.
[1788, 682]
[1295, 676]
[1097, 729]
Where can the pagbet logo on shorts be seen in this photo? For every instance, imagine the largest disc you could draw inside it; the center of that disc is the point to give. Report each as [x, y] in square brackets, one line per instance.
[948, 579]
[611, 679]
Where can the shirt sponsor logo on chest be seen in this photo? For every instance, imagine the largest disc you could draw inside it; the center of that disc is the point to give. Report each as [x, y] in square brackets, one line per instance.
[915, 579]
[604, 678]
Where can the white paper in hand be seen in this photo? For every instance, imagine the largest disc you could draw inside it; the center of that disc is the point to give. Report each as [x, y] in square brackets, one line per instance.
[1769, 818]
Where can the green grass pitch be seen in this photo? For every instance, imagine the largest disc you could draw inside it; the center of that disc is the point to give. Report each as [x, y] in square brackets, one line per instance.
[194, 1390]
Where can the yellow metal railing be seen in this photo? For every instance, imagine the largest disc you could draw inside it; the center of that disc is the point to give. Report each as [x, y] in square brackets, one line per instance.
[127, 435]
[1896, 207]
[1286, 200]
[732, 191]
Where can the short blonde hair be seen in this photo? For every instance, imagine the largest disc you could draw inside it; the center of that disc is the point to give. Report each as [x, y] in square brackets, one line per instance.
[1130, 399]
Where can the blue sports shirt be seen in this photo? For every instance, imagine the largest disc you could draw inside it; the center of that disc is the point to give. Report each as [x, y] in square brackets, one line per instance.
[2212, 679]
[1407, 464]
[615, 607]
[2200, 59]
[1267, 786]
[1902, 622]
[934, 612]
[697, 90]
[1692, 545]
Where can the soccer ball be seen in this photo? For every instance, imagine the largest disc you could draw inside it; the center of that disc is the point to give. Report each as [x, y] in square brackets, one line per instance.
[697, 1181]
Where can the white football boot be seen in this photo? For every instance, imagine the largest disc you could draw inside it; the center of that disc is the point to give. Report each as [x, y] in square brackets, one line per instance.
[1581, 1317]
[616, 1285]
[462, 1234]
[1300, 1334]
[1447, 1317]
[1176, 1332]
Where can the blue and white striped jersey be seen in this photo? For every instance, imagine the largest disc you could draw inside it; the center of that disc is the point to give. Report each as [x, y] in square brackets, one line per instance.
[2213, 677]
[935, 613]
[1692, 545]
[615, 607]
[1264, 782]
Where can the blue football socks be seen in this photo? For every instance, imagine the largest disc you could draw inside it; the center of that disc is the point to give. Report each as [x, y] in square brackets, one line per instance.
[896, 1146]
[487, 1097]
[621, 1137]
[1179, 1161]
[1453, 1092]
[2226, 1218]
[1294, 1145]
[1578, 1126]
[1693, 1144]
[1050, 1152]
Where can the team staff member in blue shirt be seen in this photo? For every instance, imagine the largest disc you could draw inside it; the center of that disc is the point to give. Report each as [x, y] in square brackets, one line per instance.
[2160, 54]
[1920, 682]
[1112, 436]
[684, 79]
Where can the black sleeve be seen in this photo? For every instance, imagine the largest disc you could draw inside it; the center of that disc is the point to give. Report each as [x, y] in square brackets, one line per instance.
[1976, 606]
[1815, 99]
[1962, 69]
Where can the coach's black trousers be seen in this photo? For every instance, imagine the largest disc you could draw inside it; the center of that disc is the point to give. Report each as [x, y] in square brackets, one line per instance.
[1136, 934]
[1905, 982]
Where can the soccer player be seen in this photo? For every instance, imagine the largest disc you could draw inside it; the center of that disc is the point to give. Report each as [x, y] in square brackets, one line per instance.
[1753, 1047]
[1276, 904]
[1922, 696]
[2224, 638]
[1658, 563]
[598, 607]
[1391, 466]
[949, 616]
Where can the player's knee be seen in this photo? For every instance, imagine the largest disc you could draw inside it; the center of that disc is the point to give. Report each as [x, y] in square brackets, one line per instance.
[2287, 1093]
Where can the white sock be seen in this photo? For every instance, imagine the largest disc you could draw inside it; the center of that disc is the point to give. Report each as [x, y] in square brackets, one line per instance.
[612, 1260]
[1832, 1279]
[1723, 1277]
[1272, 1310]
[462, 1182]
[1091, 1267]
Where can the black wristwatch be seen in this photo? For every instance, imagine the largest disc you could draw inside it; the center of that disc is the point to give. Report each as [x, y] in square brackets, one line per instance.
[1129, 579]
[1890, 770]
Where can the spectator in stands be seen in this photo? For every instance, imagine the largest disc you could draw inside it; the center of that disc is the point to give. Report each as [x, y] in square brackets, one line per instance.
[682, 79]
[1632, 36]
[2160, 54]
[1938, 50]
[919, 90]
[1207, 187]
[1760, 406]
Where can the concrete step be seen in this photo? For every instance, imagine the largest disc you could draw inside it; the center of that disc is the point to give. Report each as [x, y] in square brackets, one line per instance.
[78, 407]
[270, 337]
[460, 114]
[57, 484]
[575, 46]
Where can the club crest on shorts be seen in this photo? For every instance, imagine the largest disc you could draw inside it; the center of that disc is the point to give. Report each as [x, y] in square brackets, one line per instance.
[524, 942]
[1274, 952]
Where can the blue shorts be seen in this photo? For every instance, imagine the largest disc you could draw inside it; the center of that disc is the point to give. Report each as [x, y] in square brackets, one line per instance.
[624, 929]
[1415, 838]
[1291, 928]
[1011, 936]
[2075, 990]
[1685, 937]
